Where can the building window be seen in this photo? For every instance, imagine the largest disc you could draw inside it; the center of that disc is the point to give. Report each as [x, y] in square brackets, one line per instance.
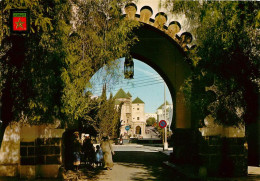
[137, 108]
[137, 118]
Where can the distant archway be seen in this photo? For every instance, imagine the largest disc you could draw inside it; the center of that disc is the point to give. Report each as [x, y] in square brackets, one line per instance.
[138, 130]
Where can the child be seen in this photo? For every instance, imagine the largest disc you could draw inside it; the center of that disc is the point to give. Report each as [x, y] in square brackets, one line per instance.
[99, 156]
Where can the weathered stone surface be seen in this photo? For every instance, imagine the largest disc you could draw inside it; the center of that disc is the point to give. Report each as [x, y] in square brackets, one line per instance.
[9, 170]
[48, 171]
[10, 147]
[28, 171]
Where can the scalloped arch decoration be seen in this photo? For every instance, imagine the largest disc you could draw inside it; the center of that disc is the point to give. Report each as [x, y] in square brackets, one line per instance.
[173, 28]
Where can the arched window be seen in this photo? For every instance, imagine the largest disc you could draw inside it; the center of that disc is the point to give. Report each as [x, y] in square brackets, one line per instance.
[138, 130]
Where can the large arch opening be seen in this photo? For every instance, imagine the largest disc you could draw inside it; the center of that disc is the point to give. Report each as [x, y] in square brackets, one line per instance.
[163, 54]
[146, 98]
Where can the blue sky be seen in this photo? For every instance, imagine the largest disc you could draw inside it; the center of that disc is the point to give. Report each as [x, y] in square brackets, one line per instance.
[147, 84]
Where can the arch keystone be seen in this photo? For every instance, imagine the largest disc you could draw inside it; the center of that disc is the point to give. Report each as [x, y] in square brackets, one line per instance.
[145, 14]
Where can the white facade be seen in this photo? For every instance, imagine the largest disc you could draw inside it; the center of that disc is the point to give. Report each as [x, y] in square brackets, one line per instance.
[150, 115]
[139, 120]
[169, 113]
[132, 115]
[126, 115]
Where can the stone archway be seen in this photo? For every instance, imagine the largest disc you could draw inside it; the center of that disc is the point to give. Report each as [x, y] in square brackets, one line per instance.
[161, 48]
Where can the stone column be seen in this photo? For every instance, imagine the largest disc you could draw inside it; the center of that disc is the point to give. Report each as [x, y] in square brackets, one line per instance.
[183, 113]
[184, 139]
[10, 151]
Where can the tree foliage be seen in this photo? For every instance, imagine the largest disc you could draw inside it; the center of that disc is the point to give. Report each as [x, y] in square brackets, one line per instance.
[32, 63]
[101, 35]
[68, 42]
[150, 121]
[104, 115]
[226, 61]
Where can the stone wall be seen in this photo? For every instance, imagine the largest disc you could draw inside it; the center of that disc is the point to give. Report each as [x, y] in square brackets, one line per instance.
[41, 158]
[31, 151]
[223, 150]
[10, 151]
[214, 150]
[40, 151]
[223, 156]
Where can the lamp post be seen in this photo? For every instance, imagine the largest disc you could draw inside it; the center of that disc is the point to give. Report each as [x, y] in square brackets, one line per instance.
[165, 145]
[129, 67]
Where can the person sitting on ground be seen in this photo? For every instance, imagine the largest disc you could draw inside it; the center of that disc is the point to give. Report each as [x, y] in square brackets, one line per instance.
[99, 156]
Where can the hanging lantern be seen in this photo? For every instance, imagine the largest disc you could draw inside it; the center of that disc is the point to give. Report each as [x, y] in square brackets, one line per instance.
[129, 67]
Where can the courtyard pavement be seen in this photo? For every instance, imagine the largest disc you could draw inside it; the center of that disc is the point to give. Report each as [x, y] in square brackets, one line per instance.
[135, 162]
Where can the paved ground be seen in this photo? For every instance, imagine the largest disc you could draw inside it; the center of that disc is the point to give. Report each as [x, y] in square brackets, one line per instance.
[138, 163]
[151, 132]
[133, 163]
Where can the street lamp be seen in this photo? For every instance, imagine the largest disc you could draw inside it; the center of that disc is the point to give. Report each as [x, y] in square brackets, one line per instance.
[165, 144]
[129, 67]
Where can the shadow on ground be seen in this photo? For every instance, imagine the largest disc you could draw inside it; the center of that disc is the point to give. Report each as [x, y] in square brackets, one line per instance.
[150, 161]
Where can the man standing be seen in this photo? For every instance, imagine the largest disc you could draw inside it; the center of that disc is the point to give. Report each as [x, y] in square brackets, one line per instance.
[89, 150]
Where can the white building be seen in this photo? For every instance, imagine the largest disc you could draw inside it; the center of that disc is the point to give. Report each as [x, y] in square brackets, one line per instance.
[150, 115]
[161, 113]
[132, 114]
[139, 121]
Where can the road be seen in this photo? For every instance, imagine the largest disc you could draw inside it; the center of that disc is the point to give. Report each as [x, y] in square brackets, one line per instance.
[133, 163]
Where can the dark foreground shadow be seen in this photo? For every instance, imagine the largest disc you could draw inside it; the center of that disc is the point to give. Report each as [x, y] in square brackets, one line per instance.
[152, 162]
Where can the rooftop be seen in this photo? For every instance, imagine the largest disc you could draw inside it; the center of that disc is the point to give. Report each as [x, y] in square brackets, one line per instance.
[161, 106]
[137, 101]
[128, 93]
[121, 94]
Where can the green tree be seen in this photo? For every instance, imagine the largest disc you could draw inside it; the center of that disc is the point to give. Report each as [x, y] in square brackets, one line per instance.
[31, 64]
[104, 116]
[43, 75]
[225, 82]
[150, 121]
[101, 35]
